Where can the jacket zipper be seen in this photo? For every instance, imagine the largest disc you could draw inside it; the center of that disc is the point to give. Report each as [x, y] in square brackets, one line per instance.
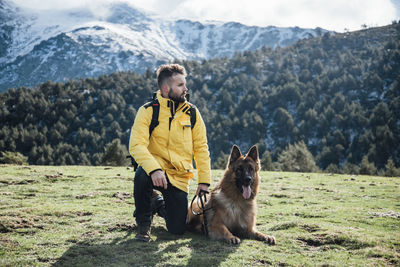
[171, 109]
[171, 105]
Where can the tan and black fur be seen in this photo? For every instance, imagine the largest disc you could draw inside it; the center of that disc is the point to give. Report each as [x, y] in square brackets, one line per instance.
[232, 209]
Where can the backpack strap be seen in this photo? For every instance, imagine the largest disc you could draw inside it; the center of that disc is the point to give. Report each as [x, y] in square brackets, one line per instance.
[156, 111]
[192, 111]
[154, 119]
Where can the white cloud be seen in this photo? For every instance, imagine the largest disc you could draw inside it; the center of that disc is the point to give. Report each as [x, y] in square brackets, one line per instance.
[328, 14]
[99, 8]
[333, 15]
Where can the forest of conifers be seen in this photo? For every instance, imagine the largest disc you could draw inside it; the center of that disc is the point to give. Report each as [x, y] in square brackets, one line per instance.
[340, 94]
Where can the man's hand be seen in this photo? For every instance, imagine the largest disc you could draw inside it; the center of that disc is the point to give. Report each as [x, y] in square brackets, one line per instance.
[158, 178]
[201, 187]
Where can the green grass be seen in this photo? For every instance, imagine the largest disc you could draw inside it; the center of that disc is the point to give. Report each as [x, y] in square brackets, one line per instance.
[73, 215]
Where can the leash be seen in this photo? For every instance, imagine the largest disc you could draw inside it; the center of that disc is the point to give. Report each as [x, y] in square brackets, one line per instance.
[202, 208]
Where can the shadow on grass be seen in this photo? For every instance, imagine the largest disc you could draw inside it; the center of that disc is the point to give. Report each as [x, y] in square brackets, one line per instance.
[167, 250]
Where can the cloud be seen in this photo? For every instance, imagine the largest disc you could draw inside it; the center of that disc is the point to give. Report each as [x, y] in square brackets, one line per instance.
[333, 15]
[98, 8]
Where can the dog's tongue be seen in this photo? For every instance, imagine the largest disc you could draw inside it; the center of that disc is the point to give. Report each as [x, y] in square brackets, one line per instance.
[246, 192]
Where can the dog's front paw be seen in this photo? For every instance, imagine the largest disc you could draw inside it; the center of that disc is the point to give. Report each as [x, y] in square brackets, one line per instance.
[233, 240]
[266, 238]
[270, 239]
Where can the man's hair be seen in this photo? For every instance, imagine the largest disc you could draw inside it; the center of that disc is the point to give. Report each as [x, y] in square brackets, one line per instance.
[165, 72]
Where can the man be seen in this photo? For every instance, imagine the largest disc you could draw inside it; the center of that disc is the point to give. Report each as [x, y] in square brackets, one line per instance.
[165, 156]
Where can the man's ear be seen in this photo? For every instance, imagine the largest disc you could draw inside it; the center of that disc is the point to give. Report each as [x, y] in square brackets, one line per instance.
[253, 153]
[235, 154]
[164, 89]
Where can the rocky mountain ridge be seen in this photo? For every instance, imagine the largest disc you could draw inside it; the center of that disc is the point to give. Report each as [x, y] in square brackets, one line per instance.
[62, 45]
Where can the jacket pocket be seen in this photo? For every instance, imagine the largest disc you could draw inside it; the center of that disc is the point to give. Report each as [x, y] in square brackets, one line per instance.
[187, 166]
[186, 132]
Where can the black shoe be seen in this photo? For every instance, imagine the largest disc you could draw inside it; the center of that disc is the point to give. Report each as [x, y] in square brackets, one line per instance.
[143, 233]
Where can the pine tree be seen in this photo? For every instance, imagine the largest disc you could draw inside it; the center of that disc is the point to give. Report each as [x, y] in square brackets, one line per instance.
[350, 168]
[8, 157]
[221, 162]
[266, 161]
[332, 168]
[115, 154]
[366, 167]
[297, 158]
[391, 170]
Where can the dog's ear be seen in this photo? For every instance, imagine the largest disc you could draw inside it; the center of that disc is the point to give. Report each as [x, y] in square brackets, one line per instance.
[235, 154]
[253, 153]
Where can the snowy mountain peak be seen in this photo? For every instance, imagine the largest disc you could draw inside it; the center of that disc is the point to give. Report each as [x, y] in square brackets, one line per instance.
[123, 13]
[59, 45]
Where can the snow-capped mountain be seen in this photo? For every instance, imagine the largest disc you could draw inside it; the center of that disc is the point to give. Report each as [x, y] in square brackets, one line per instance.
[60, 45]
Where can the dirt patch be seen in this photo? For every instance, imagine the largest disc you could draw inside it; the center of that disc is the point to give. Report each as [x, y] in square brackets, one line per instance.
[6, 242]
[28, 194]
[389, 256]
[307, 215]
[50, 176]
[4, 229]
[88, 195]
[284, 226]
[121, 227]
[44, 259]
[311, 228]
[18, 182]
[11, 224]
[280, 196]
[88, 235]
[74, 176]
[390, 214]
[263, 262]
[84, 213]
[54, 177]
[326, 241]
[122, 195]
[287, 225]
[28, 181]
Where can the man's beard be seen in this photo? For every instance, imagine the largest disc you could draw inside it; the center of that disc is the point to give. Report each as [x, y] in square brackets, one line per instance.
[176, 98]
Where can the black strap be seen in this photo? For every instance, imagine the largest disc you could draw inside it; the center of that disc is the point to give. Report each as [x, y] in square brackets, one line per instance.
[156, 111]
[154, 119]
[202, 207]
[192, 111]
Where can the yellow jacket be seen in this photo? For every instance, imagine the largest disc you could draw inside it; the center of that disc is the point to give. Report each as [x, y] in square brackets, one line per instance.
[171, 146]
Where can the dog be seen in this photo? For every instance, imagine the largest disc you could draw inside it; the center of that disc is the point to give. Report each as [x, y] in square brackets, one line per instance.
[231, 210]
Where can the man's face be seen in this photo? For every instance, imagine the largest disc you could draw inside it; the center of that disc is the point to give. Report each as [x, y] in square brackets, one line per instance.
[177, 88]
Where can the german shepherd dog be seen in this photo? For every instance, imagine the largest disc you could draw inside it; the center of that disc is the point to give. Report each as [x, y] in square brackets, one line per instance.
[231, 210]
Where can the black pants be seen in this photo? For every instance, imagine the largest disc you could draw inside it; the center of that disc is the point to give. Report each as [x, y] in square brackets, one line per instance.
[176, 203]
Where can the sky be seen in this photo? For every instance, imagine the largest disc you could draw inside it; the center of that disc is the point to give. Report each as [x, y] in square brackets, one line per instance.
[336, 15]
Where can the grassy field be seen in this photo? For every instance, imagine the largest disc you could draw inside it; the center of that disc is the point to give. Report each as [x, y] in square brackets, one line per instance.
[82, 216]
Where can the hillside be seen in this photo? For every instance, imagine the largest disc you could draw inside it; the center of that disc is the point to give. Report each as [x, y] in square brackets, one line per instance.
[340, 94]
[61, 45]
